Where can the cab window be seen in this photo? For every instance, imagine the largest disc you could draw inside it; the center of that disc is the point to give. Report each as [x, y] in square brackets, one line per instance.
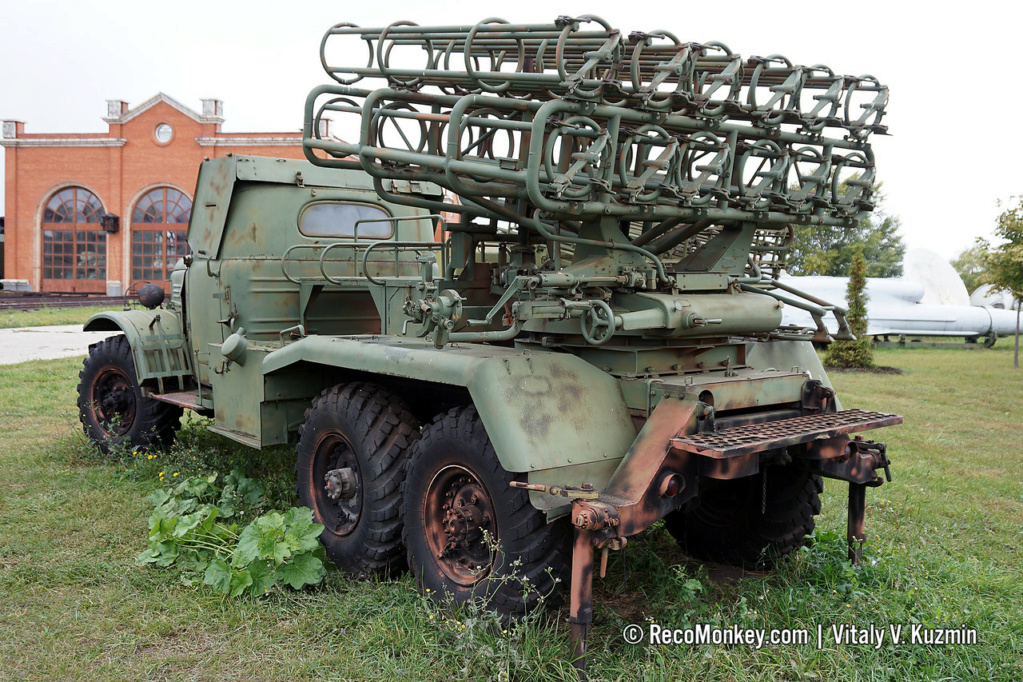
[338, 220]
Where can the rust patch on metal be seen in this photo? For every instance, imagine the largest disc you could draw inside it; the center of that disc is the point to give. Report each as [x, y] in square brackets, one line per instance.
[458, 512]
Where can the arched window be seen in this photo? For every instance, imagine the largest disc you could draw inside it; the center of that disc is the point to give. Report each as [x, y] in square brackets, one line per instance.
[74, 246]
[158, 225]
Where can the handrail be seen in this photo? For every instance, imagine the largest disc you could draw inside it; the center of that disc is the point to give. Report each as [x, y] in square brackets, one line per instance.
[355, 245]
[439, 246]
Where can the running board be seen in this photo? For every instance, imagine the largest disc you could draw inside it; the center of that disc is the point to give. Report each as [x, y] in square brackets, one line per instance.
[745, 440]
[243, 438]
[187, 399]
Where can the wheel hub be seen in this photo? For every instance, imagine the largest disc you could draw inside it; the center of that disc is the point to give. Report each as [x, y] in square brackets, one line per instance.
[459, 516]
[338, 499]
[341, 484]
[113, 397]
[463, 525]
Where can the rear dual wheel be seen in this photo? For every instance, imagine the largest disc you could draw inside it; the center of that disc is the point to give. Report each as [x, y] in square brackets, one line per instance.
[752, 521]
[471, 536]
[351, 461]
[440, 499]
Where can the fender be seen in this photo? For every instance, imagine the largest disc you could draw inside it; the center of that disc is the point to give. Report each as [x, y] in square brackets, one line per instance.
[542, 410]
[157, 344]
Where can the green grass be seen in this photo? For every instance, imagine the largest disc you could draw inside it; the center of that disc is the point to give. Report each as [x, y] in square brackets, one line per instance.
[943, 549]
[48, 316]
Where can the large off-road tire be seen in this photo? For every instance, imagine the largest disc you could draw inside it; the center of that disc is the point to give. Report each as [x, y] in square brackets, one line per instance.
[111, 406]
[367, 429]
[470, 536]
[732, 524]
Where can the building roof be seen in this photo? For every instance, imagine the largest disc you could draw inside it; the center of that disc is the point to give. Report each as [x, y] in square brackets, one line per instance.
[212, 113]
[119, 113]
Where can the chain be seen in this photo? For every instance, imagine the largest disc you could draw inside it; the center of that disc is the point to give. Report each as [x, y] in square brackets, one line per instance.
[763, 493]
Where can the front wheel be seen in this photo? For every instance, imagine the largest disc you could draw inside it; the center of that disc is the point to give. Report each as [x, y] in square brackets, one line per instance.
[470, 535]
[749, 521]
[111, 406]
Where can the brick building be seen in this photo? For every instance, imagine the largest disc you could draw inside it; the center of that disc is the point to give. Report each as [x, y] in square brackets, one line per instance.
[97, 212]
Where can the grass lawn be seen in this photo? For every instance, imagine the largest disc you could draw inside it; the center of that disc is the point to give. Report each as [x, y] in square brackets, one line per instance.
[48, 316]
[943, 550]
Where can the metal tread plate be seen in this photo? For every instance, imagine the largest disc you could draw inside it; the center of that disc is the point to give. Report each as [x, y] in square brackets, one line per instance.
[743, 440]
[188, 399]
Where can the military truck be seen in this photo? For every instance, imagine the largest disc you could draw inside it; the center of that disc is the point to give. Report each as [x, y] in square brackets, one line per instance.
[527, 309]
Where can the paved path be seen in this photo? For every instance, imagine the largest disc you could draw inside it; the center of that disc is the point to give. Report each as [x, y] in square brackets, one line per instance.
[46, 343]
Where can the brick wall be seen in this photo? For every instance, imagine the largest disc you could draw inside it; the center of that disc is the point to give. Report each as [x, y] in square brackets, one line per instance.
[119, 167]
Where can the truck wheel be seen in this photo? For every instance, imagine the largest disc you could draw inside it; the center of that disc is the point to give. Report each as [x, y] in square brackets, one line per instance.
[728, 525]
[111, 406]
[470, 536]
[351, 461]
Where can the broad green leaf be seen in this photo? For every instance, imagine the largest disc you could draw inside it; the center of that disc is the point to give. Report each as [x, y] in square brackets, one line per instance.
[251, 492]
[155, 522]
[247, 549]
[164, 526]
[193, 559]
[227, 508]
[158, 498]
[304, 569]
[273, 547]
[191, 579]
[184, 529]
[187, 523]
[270, 522]
[224, 533]
[263, 578]
[243, 490]
[166, 553]
[218, 576]
[239, 581]
[295, 516]
[303, 540]
[147, 557]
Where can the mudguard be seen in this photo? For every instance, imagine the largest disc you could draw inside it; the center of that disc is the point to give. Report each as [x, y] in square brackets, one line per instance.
[157, 343]
[541, 410]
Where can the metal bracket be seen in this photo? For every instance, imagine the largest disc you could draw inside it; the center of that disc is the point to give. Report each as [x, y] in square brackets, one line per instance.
[584, 492]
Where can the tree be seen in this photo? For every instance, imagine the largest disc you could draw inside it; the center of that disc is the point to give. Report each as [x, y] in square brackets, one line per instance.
[1005, 260]
[971, 265]
[827, 250]
[859, 352]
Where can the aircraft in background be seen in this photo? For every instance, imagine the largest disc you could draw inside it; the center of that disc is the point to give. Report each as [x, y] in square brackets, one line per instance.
[930, 299]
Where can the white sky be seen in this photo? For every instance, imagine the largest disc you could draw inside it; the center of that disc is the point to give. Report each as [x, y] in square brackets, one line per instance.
[953, 71]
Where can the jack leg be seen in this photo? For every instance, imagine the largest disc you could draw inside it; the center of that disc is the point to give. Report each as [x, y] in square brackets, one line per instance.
[581, 607]
[856, 534]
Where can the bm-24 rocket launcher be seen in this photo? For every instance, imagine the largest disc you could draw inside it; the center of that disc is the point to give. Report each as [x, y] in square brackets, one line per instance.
[526, 309]
[627, 200]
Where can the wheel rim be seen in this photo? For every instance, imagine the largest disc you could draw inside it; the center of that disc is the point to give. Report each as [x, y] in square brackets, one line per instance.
[339, 516]
[113, 400]
[458, 517]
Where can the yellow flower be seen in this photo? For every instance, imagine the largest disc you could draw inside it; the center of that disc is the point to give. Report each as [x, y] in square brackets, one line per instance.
[175, 473]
